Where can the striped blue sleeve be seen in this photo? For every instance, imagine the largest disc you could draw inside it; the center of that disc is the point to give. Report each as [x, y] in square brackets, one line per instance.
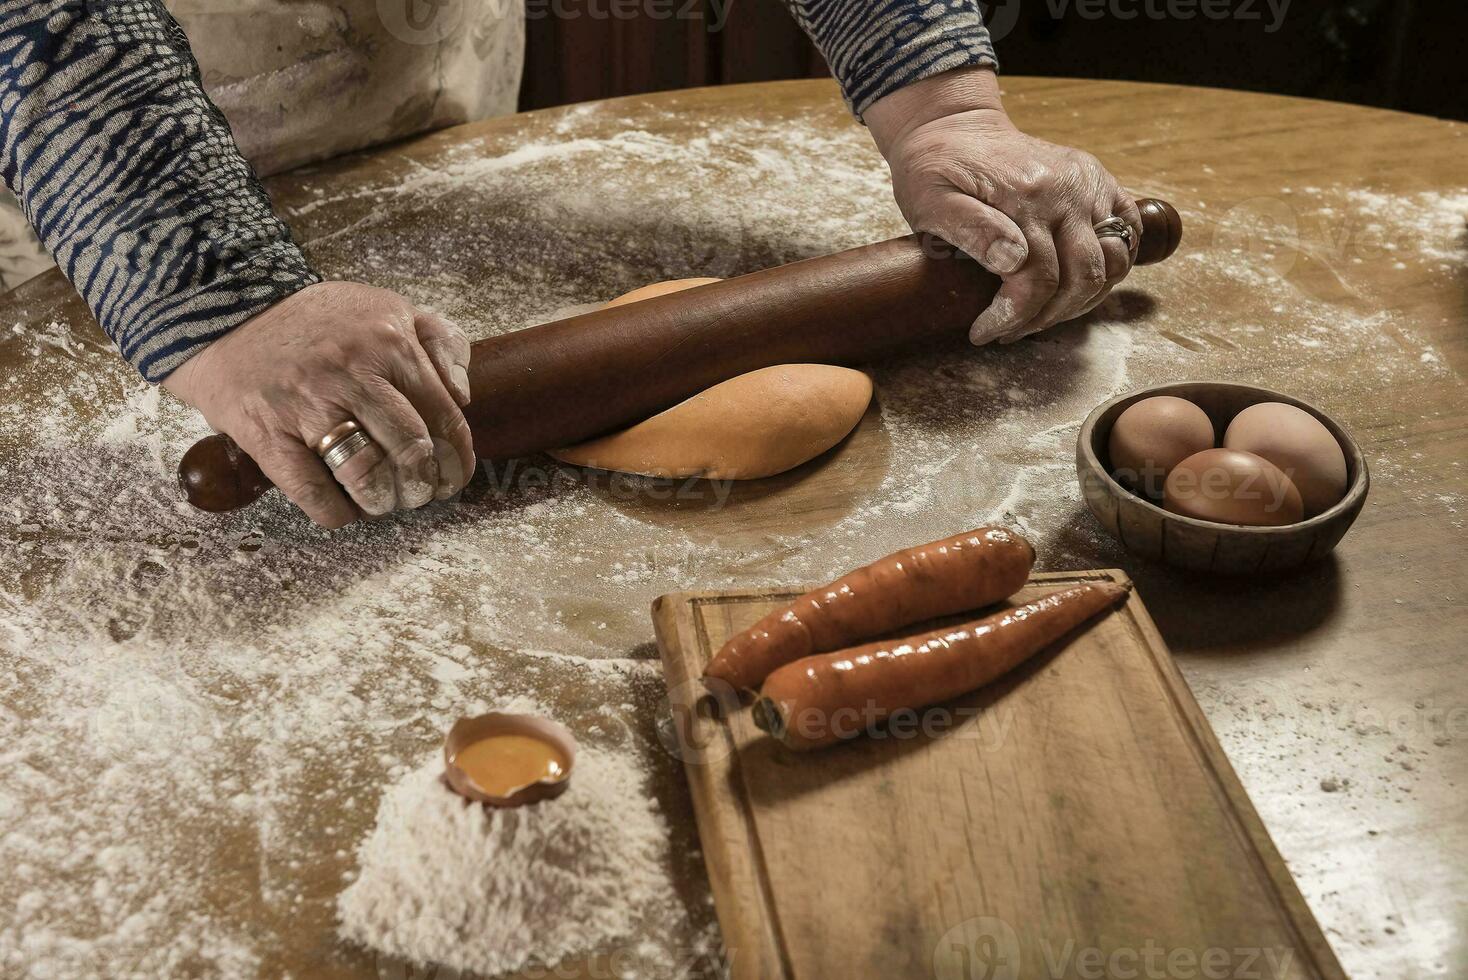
[877, 46]
[132, 180]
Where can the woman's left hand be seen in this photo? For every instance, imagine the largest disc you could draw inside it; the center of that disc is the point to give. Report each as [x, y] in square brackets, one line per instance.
[1023, 208]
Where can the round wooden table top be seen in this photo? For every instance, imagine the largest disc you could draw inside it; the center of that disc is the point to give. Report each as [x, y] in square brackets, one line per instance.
[200, 714]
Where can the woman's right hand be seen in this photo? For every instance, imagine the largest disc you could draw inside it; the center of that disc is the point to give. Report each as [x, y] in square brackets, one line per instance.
[1023, 208]
[331, 353]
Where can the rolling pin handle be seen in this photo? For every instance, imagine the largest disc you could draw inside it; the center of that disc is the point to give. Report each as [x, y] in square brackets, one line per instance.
[217, 475]
[1162, 230]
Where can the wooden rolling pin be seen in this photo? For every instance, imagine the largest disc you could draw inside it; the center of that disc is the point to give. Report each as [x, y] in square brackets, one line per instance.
[563, 382]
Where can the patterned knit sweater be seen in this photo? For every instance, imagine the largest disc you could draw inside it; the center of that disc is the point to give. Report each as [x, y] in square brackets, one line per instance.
[133, 182]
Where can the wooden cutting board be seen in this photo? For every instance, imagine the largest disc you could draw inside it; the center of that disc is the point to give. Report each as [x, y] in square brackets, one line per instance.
[1075, 819]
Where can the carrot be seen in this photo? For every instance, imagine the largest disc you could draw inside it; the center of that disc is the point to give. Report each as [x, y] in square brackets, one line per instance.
[820, 700]
[942, 578]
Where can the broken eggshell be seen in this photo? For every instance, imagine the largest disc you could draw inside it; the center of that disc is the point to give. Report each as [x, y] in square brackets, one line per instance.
[467, 731]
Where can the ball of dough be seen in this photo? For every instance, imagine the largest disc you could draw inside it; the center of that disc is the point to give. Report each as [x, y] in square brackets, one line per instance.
[756, 425]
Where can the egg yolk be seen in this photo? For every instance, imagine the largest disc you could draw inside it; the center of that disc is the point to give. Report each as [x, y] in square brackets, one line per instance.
[501, 764]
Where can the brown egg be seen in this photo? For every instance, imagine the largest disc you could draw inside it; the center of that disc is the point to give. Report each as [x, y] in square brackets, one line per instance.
[1154, 435]
[1231, 487]
[1295, 441]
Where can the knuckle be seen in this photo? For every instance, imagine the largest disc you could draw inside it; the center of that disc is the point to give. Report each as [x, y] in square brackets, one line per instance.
[442, 328]
[389, 332]
[451, 424]
[370, 472]
[414, 452]
[441, 353]
[984, 187]
[393, 331]
[1045, 280]
[346, 348]
[1033, 182]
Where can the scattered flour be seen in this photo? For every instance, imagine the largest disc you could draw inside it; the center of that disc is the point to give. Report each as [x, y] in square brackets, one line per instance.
[1431, 224]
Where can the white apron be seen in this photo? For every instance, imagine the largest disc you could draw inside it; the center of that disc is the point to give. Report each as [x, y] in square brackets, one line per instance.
[305, 80]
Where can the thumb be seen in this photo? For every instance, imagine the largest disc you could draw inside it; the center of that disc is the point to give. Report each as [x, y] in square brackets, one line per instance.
[985, 234]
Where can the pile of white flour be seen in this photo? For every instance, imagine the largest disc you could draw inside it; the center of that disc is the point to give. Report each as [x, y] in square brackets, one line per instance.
[449, 883]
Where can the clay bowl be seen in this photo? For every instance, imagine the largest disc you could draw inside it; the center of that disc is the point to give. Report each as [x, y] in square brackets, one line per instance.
[466, 731]
[1146, 530]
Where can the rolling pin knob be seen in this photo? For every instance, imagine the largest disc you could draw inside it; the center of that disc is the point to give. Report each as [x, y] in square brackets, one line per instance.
[217, 475]
[1162, 230]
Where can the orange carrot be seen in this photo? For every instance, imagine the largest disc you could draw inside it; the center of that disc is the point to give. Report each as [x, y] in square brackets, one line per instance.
[942, 578]
[822, 699]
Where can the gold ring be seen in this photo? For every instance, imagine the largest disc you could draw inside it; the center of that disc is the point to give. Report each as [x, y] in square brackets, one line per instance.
[1115, 227]
[338, 454]
[336, 435]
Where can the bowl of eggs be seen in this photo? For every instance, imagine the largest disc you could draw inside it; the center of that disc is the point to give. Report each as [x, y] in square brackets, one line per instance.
[1220, 477]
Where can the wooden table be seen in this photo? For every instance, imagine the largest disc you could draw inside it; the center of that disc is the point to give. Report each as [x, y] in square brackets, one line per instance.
[296, 673]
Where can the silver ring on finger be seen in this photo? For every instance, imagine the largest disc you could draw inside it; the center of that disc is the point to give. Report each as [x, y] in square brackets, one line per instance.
[1114, 227]
[341, 444]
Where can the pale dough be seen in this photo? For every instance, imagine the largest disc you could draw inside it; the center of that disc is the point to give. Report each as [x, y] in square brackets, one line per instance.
[756, 425]
[658, 289]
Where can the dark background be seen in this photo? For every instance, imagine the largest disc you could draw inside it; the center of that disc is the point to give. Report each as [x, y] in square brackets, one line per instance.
[1402, 54]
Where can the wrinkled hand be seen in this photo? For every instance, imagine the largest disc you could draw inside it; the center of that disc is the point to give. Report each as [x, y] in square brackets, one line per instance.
[332, 352]
[1023, 208]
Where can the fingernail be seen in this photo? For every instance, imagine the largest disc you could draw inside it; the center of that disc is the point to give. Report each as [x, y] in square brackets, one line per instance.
[460, 377]
[418, 484]
[378, 496]
[415, 493]
[450, 472]
[1004, 257]
[981, 333]
[992, 323]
